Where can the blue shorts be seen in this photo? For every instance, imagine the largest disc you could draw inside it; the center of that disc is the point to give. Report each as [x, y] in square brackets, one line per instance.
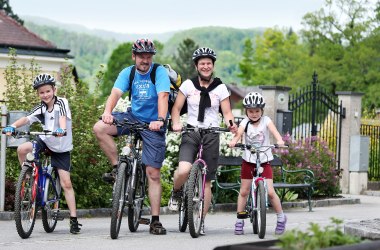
[154, 145]
[58, 160]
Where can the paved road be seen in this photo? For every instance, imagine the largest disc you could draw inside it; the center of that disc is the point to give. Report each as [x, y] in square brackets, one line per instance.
[219, 230]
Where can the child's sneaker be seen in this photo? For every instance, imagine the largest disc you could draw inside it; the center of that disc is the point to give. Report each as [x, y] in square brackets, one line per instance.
[174, 200]
[239, 227]
[280, 228]
[74, 226]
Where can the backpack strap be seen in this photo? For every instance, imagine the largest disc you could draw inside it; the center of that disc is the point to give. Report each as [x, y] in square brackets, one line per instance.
[132, 77]
[246, 127]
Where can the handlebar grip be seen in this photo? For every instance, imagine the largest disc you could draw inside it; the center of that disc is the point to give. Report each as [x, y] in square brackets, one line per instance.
[231, 123]
[240, 145]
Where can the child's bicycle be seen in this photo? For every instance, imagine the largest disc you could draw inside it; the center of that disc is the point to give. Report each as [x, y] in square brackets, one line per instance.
[38, 186]
[192, 202]
[257, 202]
[130, 186]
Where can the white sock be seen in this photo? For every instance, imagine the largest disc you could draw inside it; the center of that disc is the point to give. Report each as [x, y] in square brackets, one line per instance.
[239, 220]
[281, 216]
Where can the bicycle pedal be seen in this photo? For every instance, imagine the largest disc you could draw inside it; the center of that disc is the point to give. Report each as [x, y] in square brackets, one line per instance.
[144, 221]
[57, 216]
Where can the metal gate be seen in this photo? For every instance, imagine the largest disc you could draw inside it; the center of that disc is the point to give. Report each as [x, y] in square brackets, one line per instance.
[317, 113]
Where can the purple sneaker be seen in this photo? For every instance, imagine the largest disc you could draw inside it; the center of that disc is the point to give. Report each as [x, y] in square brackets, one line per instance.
[239, 228]
[280, 228]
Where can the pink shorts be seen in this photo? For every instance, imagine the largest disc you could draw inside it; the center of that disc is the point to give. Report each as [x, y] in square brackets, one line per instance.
[248, 170]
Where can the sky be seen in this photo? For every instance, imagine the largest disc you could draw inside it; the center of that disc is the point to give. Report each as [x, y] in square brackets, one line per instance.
[153, 16]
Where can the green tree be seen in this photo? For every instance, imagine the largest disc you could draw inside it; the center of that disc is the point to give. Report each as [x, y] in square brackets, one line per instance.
[183, 58]
[247, 66]
[4, 5]
[120, 58]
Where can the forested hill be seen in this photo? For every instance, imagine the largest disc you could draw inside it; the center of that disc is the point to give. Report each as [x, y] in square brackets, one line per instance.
[92, 50]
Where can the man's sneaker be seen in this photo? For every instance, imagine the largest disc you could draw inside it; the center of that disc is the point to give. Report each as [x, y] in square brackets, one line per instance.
[75, 227]
[280, 228]
[175, 199]
[157, 228]
[239, 227]
[110, 177]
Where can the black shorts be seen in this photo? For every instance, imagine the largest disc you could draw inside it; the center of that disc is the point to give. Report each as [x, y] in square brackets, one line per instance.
[190, 146]
[58, 160]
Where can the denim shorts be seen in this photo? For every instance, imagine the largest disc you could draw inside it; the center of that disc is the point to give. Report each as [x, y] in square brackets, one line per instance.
[58, 160]
[154, 146]
[189, 150]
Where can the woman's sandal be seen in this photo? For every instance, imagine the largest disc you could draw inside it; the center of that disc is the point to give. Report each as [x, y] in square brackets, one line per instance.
[157, 228]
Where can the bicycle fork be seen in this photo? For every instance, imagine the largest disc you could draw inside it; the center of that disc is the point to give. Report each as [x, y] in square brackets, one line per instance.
[253, 191]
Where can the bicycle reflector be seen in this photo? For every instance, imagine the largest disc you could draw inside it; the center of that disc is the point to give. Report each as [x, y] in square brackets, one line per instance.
[30, 157]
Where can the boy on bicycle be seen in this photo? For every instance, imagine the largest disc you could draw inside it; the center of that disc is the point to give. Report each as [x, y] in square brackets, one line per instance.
[54, 114]
[256, 128]
[204, 94]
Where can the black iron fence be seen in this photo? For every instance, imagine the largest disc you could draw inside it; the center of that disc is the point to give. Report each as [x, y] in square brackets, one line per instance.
[373, 131]
[317, 113]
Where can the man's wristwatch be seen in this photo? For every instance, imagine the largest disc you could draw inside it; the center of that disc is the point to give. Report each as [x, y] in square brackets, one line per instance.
[161, 119]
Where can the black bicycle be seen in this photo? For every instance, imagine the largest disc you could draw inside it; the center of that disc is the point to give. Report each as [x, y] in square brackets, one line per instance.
[130, 186]
[38, 186]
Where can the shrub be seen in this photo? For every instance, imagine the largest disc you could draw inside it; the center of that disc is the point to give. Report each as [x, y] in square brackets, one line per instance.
[312, 153]
[316, 237]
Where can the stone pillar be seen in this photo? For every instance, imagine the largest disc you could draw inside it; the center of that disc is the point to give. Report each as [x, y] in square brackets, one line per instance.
[353, 182]
[276, 98]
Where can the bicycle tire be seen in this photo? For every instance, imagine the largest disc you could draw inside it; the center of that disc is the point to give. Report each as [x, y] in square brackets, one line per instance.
[118, 201]
[261, 209]
[52, 200]
[251, 212]
[195, 202]
[25, 203]
[136, 195]
[183, 217]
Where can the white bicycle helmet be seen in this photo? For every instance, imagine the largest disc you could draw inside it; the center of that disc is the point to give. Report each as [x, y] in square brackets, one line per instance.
[202, 53]
[43, 79]
[253, 100]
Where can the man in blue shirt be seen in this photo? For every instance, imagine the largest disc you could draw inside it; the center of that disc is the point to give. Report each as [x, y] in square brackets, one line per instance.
[149, 104]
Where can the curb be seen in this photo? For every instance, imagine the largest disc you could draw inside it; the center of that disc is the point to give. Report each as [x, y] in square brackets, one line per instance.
[225, 207]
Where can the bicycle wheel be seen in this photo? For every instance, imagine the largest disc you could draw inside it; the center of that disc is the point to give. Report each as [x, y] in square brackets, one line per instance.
[182, 221]
[136, 196]
[195, 200]
[260, 218]
[118, 200]
[251, 212]
[52, 197]
[25, 203]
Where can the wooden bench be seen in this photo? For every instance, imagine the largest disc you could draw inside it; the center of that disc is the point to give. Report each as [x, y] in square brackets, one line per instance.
[232, 165]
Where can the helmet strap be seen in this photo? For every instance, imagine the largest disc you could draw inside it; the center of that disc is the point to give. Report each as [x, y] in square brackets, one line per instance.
[204, 78]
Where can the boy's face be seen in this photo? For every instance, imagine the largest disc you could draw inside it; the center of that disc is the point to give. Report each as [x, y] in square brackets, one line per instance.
[46, 93]
[254, 113]
[143, 61]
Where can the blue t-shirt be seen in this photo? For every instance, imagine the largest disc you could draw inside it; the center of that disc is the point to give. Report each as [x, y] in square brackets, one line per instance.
[144, 92]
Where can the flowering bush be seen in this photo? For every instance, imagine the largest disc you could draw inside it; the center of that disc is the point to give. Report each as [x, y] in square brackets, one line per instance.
[314, 154]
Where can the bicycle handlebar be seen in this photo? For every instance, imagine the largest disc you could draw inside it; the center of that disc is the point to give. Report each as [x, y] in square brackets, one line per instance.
[131, 125]
[19, 134]
[259, 148]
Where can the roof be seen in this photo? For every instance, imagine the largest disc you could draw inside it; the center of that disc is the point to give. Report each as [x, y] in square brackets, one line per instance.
[26, 42]
[242, 91]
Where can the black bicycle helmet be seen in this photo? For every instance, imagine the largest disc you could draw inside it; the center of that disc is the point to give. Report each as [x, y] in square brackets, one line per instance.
[202, 53]
[254, 100]
[43, 79]
[144, 46]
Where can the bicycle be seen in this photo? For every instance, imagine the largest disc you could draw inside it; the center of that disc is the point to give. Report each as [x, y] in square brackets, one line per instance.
[38, 186]
[130, 186]
[257, 202]
[193, 200]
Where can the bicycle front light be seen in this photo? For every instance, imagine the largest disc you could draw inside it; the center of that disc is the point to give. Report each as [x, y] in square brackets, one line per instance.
[30, 157]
